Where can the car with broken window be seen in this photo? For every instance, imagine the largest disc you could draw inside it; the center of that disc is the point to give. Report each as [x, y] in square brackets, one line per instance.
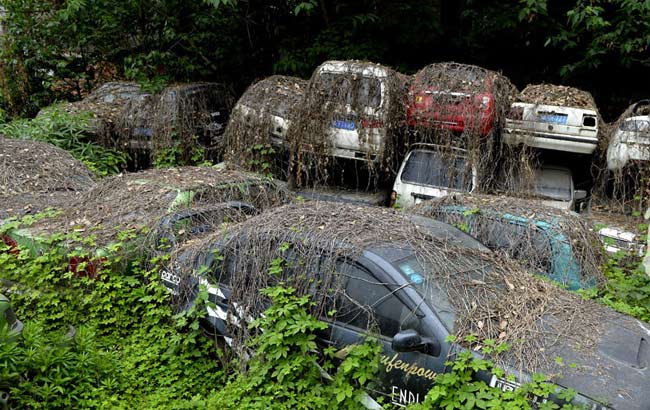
[555, 244]
[144, 213]
[631, 140]
[553, 117]
[432, 171]
[411, 283]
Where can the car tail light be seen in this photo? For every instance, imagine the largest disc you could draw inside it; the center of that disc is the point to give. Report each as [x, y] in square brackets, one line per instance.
[372, 123]
[516, 113]
[589, 121]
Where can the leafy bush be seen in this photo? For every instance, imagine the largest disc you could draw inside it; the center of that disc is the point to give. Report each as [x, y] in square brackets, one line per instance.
[627, 288]
[460, 389]
[284, 369]
[140, 355]
[51, 370]
[71, 133]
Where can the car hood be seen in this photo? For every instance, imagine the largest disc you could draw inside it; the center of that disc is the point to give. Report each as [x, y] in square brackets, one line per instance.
[615, 371]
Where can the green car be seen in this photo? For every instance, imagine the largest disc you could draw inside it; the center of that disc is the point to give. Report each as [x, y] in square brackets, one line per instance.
[557, 244]
[133, 214]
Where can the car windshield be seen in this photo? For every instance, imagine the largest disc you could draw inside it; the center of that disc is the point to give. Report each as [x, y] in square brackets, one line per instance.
[636, 126]
[435, 292]
[354, 90]
[436, 169]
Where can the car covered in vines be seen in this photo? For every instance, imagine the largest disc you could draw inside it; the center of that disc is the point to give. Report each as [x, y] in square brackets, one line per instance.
[143, 214]
[412, 283]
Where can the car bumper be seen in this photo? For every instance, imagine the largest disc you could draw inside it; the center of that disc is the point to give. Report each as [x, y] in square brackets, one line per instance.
[551, 141]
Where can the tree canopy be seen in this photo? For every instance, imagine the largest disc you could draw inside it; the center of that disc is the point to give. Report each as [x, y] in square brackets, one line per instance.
[59, 49]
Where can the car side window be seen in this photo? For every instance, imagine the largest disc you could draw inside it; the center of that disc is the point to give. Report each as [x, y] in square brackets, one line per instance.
[367, 303]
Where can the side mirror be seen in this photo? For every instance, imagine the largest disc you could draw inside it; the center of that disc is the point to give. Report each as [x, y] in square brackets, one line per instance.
[579, 194]
[409, 340]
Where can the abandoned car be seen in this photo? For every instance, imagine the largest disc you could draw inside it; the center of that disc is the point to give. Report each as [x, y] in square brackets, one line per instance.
[558, 245]
[553, 117]
[410, 283]
[631, 140]
[165, 207]
[359, 102]
[459, 98]
[432, 171]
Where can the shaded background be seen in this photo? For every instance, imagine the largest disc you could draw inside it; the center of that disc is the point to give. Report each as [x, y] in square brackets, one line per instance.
[58, 50]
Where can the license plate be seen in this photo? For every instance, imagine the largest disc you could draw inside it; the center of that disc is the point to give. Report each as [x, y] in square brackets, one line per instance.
[553, 118]
[343, 125]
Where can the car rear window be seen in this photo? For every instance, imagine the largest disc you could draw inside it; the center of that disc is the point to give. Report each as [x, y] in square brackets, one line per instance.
[636, 126]
[437, 170]
[357, 91]
[462, 78]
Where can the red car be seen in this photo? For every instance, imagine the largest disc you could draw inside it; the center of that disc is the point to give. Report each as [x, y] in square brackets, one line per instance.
[455, 97]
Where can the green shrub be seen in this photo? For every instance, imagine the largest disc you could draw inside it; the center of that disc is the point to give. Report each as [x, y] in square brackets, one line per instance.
[71, 133]
[627, 288]
[459, 389]
[53, 370]
[285, 369]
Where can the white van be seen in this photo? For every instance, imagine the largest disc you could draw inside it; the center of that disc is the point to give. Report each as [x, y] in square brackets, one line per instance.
[553, 127]
[432, 171]
[356, 134]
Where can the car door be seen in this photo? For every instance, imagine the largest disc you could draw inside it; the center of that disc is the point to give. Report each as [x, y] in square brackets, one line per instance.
[373, 305]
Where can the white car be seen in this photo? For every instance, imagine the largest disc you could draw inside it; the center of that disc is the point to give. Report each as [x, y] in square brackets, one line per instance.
[356, 135]
[631, 142]
[432, 171]
[616, 239]
[553, 127]
[274, 97]
[554, 187]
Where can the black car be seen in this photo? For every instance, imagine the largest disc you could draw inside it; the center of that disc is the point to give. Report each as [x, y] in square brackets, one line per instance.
[397, 277]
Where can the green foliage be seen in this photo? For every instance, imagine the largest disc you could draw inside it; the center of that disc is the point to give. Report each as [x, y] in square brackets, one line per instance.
[627, 288]
[597, 30]
[52, 370]
[130, 350]
[71, 133]
[261, 158]
[461, 389]
[173, 156]
[285, 368]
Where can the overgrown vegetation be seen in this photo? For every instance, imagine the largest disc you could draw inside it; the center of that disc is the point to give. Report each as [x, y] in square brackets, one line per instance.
[285, 369]
[71, 133]
[128, 350]
[627, 288]
[114, 342]
[61, 49]
[460, 388]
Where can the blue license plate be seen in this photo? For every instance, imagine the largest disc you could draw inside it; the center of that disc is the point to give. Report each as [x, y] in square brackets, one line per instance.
[343, 125]
[553, 118]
